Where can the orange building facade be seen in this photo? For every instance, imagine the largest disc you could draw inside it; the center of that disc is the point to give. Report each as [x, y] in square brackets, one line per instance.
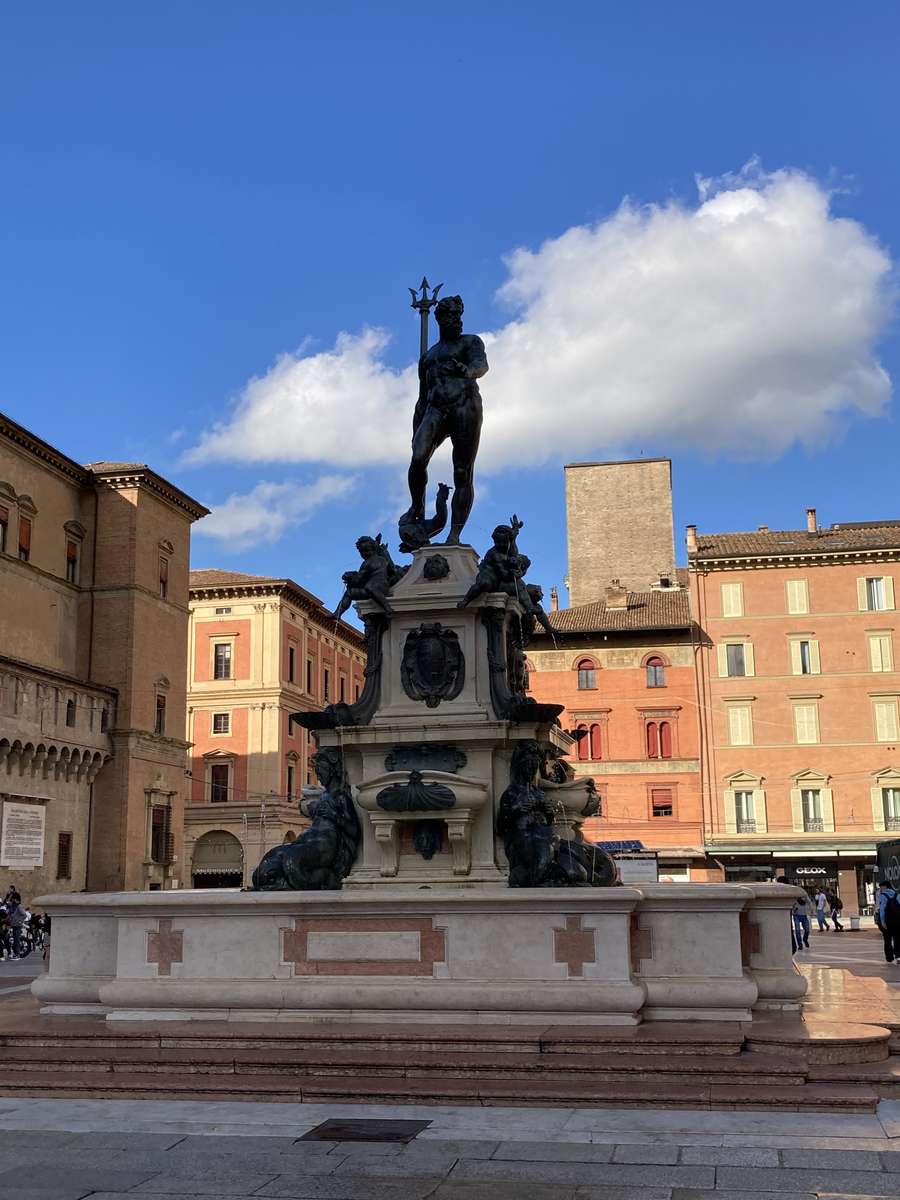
[623, 666]
[259, 649]
[799, 687]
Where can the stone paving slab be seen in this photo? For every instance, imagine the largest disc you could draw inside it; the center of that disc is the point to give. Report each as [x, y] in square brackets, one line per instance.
[693, 1194]
[787, 1179]
[585, 1174]
[98, 1178]
[224, 1182]
[730, 1156]
[845, 1160]
[60, 1193]
[351, 1187]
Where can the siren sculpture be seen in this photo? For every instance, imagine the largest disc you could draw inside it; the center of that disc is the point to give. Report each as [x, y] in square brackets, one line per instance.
[321, 857]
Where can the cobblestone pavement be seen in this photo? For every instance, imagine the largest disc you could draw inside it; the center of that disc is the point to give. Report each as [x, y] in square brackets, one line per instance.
[142, 1150]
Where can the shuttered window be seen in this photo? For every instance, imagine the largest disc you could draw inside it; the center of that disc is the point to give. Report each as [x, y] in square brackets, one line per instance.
[886, 729]
[740, 729]
[72, 561]
[805, 656]
[661, 802]
[64, 856]
[163, 577]
[875, 593]
[4, 526]
[732, 600]
[806, 724]
[24, 539]
[797, 596]
[596, 745]
[881, 656]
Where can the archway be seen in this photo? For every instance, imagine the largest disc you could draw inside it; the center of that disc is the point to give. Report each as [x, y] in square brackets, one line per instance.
[218, 861]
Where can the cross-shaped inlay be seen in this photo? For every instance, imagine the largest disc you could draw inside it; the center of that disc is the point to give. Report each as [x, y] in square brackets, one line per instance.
[165, 946]
[574, 946]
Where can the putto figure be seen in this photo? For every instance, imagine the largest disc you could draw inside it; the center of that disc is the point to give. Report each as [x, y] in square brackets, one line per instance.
[449, 406]
[373, 580]
[503, 570]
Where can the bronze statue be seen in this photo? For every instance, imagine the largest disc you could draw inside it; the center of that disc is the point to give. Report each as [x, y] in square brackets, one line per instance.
[503, 570]
[321, 857]
[449, 405]
[537, 856]
[373, 580]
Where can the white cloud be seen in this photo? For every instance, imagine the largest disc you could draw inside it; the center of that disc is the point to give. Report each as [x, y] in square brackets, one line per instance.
[744, 323]
[265, 513]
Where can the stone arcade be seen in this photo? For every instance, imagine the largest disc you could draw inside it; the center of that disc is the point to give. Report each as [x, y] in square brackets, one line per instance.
[444, 877]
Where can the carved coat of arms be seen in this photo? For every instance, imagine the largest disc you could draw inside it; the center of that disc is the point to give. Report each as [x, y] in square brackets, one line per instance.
[433, 668]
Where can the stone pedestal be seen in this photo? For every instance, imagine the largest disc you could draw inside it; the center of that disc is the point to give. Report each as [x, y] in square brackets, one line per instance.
[442, 711]
[479, 955]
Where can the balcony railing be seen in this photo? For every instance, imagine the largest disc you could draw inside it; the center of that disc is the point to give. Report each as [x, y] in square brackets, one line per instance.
[813, 825]
[746, 826]
[892, 824]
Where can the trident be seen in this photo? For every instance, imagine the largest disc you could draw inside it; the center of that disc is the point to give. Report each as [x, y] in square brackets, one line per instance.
[424, 304]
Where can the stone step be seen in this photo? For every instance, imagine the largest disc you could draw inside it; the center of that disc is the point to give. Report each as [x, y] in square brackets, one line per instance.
[884, 1076]
[399, 1062]
[818, 1042]
[674, 1093]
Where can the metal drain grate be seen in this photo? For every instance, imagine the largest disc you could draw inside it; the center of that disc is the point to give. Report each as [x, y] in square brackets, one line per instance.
[365, 1131]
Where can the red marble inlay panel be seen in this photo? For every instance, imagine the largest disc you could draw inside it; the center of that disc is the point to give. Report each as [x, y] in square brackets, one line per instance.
[641, 943]
[295, 946]
[165, 946]
[574, 946]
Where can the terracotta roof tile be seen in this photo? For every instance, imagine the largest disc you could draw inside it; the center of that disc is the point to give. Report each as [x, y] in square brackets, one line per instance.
[660, 609]
[838, 539]
[215, 577]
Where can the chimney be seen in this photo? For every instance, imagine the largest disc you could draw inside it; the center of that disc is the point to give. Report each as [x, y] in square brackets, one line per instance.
[691, 539]
[554, 599]
[811, 526]
[616, 596]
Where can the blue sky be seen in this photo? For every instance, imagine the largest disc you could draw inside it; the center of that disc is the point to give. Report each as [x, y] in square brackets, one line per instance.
[192, 192]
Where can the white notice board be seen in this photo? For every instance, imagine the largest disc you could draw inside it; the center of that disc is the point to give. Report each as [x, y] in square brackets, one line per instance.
[22, 835]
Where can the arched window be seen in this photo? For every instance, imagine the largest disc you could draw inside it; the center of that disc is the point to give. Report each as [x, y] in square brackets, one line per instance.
[587, 674]
[652, 740]
[656, 672]
[596, 746]
[665, 739]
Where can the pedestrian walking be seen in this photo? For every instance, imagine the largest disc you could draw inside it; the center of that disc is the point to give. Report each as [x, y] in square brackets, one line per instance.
[17, 916]
[889, 921]
[821, 910]
[835, 904]
[800, 912]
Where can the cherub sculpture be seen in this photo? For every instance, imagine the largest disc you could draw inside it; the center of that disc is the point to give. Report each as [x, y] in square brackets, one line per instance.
[373, 580]
[322, 856]
[503, 569]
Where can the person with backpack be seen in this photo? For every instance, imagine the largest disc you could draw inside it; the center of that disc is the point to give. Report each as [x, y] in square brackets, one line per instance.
[889, 921]
[800, 912]
[835, 904]
[821, 909]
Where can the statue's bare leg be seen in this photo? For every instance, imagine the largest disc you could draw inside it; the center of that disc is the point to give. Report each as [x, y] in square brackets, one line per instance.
[428, 436]
[466, 436]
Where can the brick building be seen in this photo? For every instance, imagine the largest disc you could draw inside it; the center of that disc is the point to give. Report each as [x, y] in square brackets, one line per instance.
[259, 650]
[93, 632]
[623, 661]
[799, 717]
[624, 668]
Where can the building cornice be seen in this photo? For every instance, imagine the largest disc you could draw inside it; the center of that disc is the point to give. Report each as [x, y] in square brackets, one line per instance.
[47, 454]
[146, 479]
[726, 562]
[290, 593]
[18, 664]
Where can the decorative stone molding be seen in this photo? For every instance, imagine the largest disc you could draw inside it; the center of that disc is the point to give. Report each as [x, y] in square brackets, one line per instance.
[372, 946]
[574, 946]
[165, 946]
